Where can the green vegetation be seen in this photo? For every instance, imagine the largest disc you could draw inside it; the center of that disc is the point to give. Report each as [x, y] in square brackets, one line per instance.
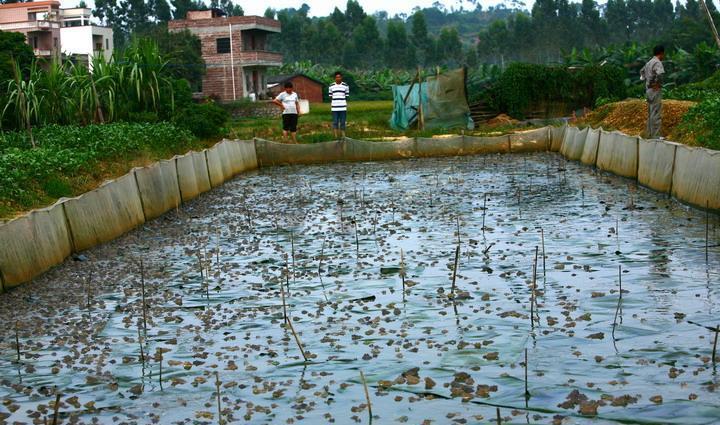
[68, 159]
[523, 86]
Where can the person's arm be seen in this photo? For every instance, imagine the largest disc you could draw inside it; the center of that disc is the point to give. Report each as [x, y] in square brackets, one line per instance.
[297, 106]
[278, 101]
[658, 72]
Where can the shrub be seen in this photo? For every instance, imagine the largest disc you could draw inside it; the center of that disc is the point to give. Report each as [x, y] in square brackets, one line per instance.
[202, 120]
[523, 86]
[702, 122]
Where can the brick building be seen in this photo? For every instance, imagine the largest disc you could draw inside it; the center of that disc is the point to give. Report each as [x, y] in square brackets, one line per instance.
[306, 87]
[235, 52]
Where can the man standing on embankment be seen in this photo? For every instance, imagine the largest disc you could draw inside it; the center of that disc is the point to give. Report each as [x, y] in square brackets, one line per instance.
[652, 73]
[339, 92]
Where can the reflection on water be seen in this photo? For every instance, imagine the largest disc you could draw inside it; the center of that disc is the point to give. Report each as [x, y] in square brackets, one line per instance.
[338, 243]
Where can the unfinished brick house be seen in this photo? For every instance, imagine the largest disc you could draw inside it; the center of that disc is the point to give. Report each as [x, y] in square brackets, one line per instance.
[235, 52]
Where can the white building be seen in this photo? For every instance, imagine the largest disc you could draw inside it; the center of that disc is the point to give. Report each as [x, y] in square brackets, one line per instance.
[80, 38]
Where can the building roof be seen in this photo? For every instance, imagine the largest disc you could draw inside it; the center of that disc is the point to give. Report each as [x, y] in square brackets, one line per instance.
[280, 79]
[29, 5]
[242, 22]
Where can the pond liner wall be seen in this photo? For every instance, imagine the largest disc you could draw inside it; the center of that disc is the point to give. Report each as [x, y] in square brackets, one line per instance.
[618, 154]
[363, 150]
[556, 137]
[486, 145]
[41, 239]
[158, 187]
[530, 141]
[696, 177]
[573, 143]
[105, 213]
[590, 149]
[192, 174]
[656, 163]
[32, 244]
[431, 147]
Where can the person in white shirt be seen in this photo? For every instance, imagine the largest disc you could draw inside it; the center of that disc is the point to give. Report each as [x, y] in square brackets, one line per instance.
[339, 92]
[288, 102]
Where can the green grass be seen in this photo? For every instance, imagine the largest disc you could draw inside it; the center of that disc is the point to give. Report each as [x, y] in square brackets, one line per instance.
[367, 120]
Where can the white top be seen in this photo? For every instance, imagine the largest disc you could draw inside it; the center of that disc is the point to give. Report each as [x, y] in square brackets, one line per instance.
[288, 100]
[338, 96]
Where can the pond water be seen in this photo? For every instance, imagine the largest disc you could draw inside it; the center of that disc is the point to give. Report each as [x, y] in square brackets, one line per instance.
[364, 256]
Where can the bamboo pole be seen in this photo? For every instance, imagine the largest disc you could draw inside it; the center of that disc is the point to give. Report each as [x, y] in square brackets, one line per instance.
[297, 340]
[217, 389]
[144, 304]
[717, 330]
[712, 22]
[455, 267]
[367, 395]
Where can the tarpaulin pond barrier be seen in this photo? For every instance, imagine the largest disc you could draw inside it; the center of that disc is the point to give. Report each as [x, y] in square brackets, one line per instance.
[656, 163]
[618, 154]
[43, 238]
[590, 149]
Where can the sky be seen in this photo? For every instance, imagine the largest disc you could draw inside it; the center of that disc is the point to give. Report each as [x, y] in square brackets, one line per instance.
[324, 7]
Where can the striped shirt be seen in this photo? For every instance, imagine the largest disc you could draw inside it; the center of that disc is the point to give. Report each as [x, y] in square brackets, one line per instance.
[338, 96]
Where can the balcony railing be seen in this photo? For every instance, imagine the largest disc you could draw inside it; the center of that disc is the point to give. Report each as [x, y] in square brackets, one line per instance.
[259, 57]
[30, 25]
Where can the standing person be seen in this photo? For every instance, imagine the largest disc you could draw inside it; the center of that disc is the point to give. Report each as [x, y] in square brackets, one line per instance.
[288, 102]
[339, 92]
[652, 73]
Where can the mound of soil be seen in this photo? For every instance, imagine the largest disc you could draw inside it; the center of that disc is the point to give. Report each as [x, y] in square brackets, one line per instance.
[630, 116]
[502, 119]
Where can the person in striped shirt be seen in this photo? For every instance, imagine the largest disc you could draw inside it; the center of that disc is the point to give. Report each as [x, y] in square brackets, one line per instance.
[339, 92]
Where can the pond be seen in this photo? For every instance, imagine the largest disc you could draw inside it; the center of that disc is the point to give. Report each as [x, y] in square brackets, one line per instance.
[449, 287]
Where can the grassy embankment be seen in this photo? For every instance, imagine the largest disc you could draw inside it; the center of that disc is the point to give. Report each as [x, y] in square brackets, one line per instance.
[366, 120]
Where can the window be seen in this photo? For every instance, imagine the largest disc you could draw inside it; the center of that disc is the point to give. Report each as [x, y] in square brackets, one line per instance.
[223, 45]
[35, 42]
[55, 42]
[107, 44]
[32, 16]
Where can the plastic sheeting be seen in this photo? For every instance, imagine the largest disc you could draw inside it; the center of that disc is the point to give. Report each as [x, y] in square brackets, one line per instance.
[696, 178]
[487, 145]
[556, 137]
[32, 244]
[218, 169]
[656, 162]
[618, 153]
[444, 146]
[573, 143]
[158, 187]
[105, 213]
[590, 150]
[530, 141]
[363, 150]
[192, 174]
[443, 98]
[245, 152]
[272, 153]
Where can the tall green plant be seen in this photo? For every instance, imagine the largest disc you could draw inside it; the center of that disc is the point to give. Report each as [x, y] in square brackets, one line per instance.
[23, 99]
